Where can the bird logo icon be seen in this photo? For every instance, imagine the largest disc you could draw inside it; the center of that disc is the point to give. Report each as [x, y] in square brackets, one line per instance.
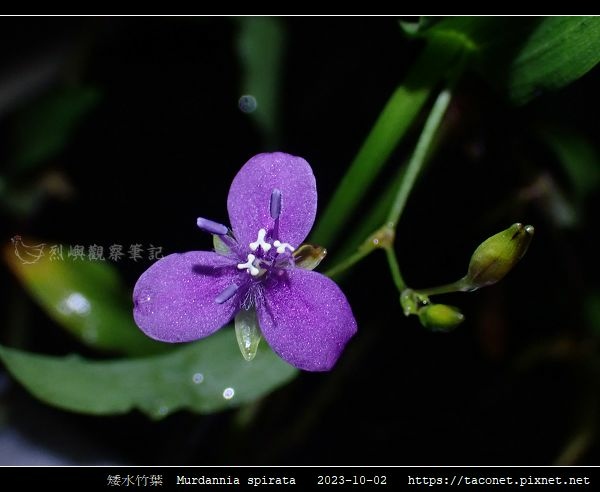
[26, 253]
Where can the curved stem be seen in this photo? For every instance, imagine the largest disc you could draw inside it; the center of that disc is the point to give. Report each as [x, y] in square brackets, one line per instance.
[395, 269]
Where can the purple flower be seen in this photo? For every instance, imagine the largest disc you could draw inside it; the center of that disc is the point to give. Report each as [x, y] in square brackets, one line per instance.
[303, 315]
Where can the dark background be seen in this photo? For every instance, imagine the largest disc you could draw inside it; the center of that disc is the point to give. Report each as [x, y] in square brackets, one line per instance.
[512, 385]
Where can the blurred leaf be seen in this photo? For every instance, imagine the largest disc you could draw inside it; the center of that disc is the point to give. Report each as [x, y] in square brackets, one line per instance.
[260, 48]
[483, 33]
[85, 297]
[577, 155]
[27, 197]
[528, 56]
[19, 201]
[546, 193]
[203, 377]
[435, 62]
[44, 128]
[591, 310]
[414, 27]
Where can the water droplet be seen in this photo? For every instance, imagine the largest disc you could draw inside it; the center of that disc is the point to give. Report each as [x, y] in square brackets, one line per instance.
[198, 377]
[228, 393]
[75, 303]
[162, 410]
[247, 103]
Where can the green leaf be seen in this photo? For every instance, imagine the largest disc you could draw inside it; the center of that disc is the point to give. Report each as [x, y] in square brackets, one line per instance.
[437, 61]
[528, 56]
[559, 51]
[203, 377]
[43, 129]
[260, 46]
[87, 298]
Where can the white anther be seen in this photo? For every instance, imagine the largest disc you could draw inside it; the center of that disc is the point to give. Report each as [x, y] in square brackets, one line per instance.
[249, 266]
[261, 242]
[281, 247]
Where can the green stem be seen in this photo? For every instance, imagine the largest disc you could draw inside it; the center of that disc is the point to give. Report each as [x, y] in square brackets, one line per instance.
[415, 165]
[419, 156]
[395, 269]
[440, 57]
[461, 285]
[348, 262]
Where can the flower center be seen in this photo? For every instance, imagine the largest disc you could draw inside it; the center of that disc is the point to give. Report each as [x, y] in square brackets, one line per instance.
[268, 254]
[258, 266]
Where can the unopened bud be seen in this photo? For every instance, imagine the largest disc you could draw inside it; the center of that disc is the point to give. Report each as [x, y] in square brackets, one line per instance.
[247, 333]
[440, 317]
[412, 301]
[497, 255]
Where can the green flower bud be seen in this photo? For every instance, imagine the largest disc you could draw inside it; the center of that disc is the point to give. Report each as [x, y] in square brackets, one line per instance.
[497, 255]
[247, 333]
[440, 317]
[412, 301]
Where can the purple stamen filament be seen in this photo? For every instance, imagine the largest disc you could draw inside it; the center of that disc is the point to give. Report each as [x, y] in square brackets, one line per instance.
[227, 294]
[275, 205]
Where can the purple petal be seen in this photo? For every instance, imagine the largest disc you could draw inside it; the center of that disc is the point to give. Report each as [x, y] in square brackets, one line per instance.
[306, 319]
[249, 200]
[174, 300]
